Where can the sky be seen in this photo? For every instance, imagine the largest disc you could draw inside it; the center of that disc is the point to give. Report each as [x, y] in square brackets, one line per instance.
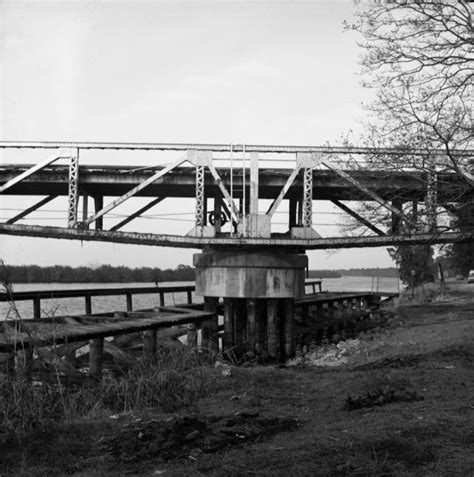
[257, 72]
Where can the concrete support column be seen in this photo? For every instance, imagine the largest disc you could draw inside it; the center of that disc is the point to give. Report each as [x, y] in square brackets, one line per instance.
[259, 289]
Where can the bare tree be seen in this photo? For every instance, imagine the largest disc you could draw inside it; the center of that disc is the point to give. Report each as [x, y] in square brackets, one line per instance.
[419, 57]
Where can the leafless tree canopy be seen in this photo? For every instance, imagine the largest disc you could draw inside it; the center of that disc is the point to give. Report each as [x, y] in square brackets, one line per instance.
[419, 58]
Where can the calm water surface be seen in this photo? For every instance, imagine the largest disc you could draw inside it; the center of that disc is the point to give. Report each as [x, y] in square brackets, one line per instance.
[74, 306]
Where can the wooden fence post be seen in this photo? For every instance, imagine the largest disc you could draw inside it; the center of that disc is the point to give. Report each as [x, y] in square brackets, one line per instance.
[96, 348]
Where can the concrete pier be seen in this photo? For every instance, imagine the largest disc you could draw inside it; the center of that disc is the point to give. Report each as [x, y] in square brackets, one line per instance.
[259, 289]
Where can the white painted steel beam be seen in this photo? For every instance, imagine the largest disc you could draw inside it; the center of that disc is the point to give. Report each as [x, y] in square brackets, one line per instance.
[232, 207]
[35, 168]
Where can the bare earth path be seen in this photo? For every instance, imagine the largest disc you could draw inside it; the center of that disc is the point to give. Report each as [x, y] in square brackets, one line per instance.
[411, 413]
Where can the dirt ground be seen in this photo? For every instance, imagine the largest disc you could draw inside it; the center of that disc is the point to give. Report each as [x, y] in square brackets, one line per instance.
[401, 405]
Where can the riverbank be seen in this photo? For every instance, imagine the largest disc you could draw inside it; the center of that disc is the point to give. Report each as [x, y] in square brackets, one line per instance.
[401, 404]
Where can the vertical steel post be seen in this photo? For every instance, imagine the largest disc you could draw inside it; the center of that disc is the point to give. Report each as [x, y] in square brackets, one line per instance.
[199, 196]
[231, 186]
[73, 193]
[254, 183]
[308, 197]
[85, 208]
[99, 205]
[244, 194]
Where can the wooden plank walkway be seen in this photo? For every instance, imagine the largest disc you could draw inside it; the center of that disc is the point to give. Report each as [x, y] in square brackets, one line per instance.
[61, 330]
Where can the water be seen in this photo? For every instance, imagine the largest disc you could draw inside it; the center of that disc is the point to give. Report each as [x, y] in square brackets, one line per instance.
[100, 304]
[75, 306]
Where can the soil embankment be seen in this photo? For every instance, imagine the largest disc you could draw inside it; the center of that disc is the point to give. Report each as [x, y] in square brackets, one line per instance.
[401, 403]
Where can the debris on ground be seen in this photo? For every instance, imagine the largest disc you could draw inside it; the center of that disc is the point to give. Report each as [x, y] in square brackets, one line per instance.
[328, 355]
[380, 398]
[189, 436]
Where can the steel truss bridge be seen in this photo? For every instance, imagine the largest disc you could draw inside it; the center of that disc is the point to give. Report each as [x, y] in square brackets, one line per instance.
[229, 184]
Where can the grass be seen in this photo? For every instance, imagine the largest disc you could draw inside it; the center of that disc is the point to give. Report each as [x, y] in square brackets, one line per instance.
[422, 294]
[175, 379]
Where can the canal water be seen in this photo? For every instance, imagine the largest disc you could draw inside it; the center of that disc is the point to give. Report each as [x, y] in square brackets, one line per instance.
[74, 306]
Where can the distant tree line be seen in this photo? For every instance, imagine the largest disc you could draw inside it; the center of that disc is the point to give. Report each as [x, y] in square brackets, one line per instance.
[354, 272]
[109, 274]
[102, 274]
[324, 274]
[370, 272]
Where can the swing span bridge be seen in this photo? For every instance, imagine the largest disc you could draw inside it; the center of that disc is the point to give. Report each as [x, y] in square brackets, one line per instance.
[236, 190]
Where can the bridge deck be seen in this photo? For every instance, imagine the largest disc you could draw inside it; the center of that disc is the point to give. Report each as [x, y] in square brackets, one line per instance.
[117, 180]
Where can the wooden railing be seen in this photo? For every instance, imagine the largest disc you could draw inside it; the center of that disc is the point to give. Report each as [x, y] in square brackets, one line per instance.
[128, 292]
[88, 293]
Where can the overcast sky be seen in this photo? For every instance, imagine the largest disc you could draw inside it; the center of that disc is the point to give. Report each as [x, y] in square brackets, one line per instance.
[227, 72]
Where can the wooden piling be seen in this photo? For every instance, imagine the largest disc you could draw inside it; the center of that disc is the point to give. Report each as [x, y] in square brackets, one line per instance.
[319, 312]
[88, 304]
[149, 345]
[191, 335]
[229, 310]
[260, 326]
[288, 312]
[304, 312]
[240, 320]
[70, 356]
[96, 348]
[251, 326]
[330, 310]
[128, 296]
[273, 329]
[209, 329]
[36, 307]
[24, 363]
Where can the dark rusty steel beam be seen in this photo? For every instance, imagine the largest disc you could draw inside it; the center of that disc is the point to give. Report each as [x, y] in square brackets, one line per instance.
[369, 193]
[197, 242]
[31, 209]
[136, 214]
[358, 217]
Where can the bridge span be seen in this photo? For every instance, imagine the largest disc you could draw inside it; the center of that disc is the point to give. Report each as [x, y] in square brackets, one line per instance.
[236, 190]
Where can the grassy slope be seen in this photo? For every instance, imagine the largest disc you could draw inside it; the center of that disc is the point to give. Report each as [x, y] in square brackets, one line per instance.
[428, 349]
